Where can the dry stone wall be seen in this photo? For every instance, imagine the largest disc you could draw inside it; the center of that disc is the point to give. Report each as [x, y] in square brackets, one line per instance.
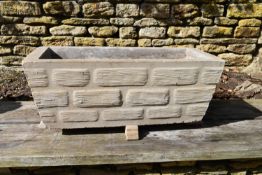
[227, 28]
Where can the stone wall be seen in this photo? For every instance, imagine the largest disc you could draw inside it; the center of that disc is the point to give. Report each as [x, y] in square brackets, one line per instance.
[227, 28]
[227, 167]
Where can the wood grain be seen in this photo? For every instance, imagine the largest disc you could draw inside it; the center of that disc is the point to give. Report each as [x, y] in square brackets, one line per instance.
[23, 144]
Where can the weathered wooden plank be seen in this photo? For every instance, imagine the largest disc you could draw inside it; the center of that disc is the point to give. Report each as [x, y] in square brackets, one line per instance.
[22, 144]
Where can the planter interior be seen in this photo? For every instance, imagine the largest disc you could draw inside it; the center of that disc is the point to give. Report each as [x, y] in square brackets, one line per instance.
[86, 87]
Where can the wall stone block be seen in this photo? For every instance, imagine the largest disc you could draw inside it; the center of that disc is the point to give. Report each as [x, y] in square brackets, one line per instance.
[245, 32]
[40, 20]
[212, 10]
[20, 8]
[184, 10]
[152, 32]
[216, 31]
[127, 10]
[105, 31]
[85, 21]
[89, 41]
[57, 41]
[22, 29]
[241, 48]
[250, 22]
[250, 10]
[183, 32]
[68, 30]
[98, 9]
[154, 10]
[122, 21]
[127, 32]
[64, 8]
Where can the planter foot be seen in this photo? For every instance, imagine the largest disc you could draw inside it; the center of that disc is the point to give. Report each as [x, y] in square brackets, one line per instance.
[131, 132]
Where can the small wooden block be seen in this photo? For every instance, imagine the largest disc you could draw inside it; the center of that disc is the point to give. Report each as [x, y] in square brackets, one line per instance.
[132, 132]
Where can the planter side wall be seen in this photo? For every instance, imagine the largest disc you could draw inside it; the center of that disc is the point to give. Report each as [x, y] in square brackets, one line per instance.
[108, 94]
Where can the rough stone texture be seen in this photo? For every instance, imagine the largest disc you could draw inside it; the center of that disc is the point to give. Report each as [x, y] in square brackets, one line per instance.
[86, 41]
[98, 9]
[20, 8]
[23, 50]
[200, 21]
[184, 10]
[147, 97]
[229, 41]
[152, 32]
[105, 31]
[97, 98]
[224, 21]
[65, 8]
[55, 22]
[40, 20]
[115, 42]
[162, 42]
[147, 22]
[212, 10]
[144, 43]
[5, 50]
[212, 48]
[57, 41]
[22, 29]
[121, 76]
[28, 40]
[254, 69]
[85, 21]
[122, 21]
[154, 10]
[127, 10]
[182, 32]
[241, 48]
[127, 32]
[250, 10]
[250, 22]
[235, 59]
[245, 32]
[68, 30]
[217, 31]
[71, 77]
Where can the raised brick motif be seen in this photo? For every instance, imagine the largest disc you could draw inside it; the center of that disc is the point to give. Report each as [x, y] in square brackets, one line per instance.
[78, 116]
[37, 77]
[119, 114]
[193, 94]
[121, 76]
[86, 87]
[164, 112]
[97, 98]
[196, 109]
[147, 97]
[174, 76]
[49, 99]
[210, 75]
[71, 77]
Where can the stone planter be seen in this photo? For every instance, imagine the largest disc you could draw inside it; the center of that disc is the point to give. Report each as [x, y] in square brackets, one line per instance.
[87, 87]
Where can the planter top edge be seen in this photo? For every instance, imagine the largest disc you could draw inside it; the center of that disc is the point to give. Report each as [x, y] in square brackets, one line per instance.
[73, 53]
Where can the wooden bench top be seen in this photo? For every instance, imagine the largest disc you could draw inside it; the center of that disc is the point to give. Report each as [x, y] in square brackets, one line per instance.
[230, 130]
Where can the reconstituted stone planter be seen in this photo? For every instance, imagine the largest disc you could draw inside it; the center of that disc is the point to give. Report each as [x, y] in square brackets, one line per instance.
[86, 87]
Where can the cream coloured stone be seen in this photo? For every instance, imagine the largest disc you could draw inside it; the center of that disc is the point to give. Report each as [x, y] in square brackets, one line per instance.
[122, 114]
[120, 76]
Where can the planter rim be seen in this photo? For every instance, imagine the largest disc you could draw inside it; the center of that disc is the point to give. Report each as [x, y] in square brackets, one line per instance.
[78, 54]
